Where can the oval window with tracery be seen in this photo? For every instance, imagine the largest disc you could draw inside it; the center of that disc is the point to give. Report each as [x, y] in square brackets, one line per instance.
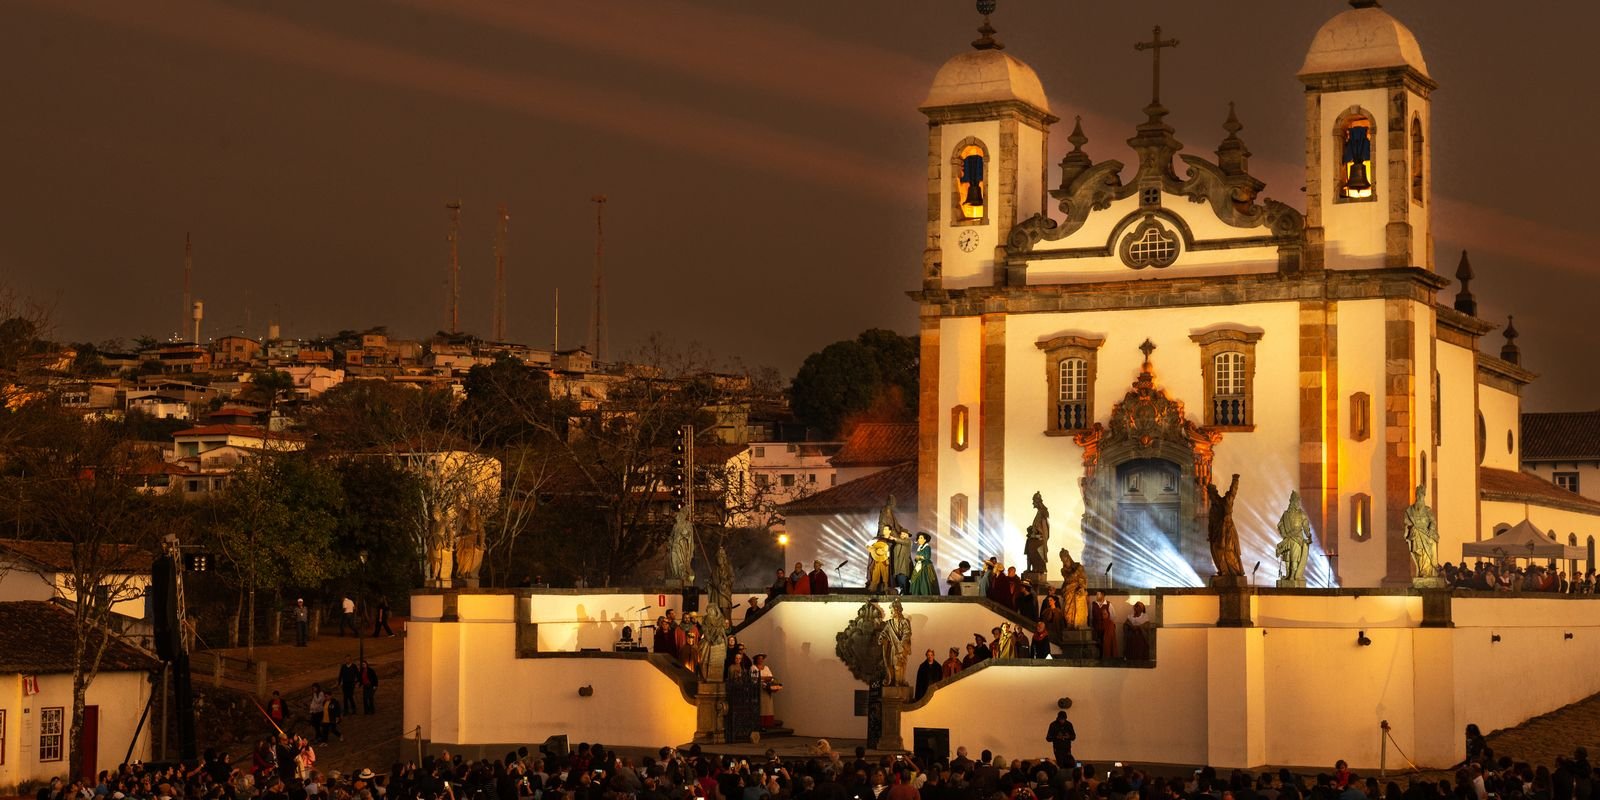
[1150, 244]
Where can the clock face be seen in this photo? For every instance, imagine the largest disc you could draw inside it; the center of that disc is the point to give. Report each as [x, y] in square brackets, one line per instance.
[968, 241]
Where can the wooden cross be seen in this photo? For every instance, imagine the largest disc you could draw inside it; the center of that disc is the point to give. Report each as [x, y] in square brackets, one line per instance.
[1156, 43]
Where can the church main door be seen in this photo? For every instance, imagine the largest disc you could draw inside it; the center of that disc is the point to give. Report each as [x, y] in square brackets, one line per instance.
[1147, 510]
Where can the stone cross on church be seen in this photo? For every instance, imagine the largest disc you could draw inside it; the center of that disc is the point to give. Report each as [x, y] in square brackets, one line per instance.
[1155, 44]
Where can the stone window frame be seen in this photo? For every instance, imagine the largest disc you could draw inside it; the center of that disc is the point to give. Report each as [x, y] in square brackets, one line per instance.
[1228, 340]
[1361, 516]
[1056, 350]
[1418, 148]
[960, 514]
[1340, 125]
[957, 219]
[960, 428]
[1360, 416]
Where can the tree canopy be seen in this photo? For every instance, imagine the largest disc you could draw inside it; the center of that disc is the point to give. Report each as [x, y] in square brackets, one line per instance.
[872, 377]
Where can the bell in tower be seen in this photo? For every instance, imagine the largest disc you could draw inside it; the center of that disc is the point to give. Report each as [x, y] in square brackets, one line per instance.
[1357, 162]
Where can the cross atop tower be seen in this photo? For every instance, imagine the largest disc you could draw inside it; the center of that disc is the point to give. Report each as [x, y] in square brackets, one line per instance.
[1156, 43]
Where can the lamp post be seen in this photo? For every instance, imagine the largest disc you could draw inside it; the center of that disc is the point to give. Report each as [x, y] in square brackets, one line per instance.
[361, 595]
[783, 542]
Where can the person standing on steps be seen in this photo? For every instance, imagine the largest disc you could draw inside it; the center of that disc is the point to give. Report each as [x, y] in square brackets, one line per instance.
[347, 617]
[347, 682]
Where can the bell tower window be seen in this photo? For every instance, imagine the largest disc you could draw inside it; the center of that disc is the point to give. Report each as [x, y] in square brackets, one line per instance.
[1416, 159]
[970, 169]
[1355, 135]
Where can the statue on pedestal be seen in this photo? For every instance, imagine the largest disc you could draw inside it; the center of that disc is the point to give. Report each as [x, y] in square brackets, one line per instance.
[895, 635]
[680, 550]
[1074, 592]
[713, 644]
[1221, 533]
[438, 548]
[469, 547]
[1422, 534]
[886, 520]
[1294, 546]
[858, 647]
[721, 588]
[1038, 537]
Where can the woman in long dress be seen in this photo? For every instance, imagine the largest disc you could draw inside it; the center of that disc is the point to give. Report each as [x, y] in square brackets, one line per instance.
[1136, 645]
[1104, 625]
[763, 673]
[922, 580]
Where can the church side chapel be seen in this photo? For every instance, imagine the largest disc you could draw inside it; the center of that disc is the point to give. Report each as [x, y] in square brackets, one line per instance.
[1261, 426]
[1123, 337]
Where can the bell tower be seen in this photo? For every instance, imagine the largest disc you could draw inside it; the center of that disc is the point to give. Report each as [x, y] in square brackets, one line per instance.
[1368, 127]
[988, 129]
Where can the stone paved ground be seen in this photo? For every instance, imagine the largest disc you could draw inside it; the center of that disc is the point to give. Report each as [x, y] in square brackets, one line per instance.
[1541, 739]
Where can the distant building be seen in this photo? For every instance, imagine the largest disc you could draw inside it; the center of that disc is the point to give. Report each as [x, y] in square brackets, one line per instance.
[234, 351]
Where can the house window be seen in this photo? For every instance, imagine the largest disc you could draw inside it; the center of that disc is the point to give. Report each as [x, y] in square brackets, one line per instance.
[1361, 517]
[760, 452]
[1416, 159]
[2, 737]
[970, 168]
[833, 479]
[1360, 416]
[958, 514]
[1228, 366]
[787, 479]
[763, 480]
[50, 733]
[1354, 137]
[1069, 373]
[958, 428]
[1567, 480]
[811, 478]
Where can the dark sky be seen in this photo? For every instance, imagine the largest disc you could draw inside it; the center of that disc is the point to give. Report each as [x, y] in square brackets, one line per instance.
[764, 160]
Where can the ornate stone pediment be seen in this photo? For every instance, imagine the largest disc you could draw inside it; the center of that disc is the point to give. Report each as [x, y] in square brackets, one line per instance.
[1146, 423]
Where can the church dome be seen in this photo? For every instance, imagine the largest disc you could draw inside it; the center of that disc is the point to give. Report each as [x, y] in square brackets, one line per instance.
[985, 76]
[1365, 37]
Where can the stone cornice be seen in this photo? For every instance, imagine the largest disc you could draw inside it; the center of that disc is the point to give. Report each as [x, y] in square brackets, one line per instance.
[1412, 283]
[987, 112]
[1502, 374]
[1457, 328]
[1372, 78]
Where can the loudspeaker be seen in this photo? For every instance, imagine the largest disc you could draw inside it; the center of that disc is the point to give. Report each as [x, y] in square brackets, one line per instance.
[555, 746]
[930, 745]
[691, 600]
[163, 594]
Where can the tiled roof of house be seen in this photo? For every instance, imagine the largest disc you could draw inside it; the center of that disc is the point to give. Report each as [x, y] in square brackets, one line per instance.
[57, 556]
[1521, 487]
[252, 431]
[37, 636]
[862, 494]
[1561, 436]
[879, 444]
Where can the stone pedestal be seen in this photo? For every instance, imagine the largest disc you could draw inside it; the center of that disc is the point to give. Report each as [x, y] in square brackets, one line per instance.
[894, 701]
[1436, 608]
[1078, 643]
[711, 707]
[1036, 579]
[1233, 605]
[1229, 581]
[1290, 583]
[1429, 583]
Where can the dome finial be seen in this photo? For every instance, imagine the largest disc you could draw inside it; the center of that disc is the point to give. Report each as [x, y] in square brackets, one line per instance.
[986, 40]
[1465, 302]
[1232, 156]
[1077, 138]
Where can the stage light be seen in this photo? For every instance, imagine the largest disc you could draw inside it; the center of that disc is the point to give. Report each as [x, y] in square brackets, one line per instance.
[1362, 640]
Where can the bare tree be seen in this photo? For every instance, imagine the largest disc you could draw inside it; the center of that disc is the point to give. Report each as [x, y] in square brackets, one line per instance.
[80, 494]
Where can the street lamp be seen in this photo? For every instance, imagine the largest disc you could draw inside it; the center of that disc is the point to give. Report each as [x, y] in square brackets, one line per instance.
[361, 594]
[783, 542]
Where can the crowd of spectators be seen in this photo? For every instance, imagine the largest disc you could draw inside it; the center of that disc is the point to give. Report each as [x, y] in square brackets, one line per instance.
[1513, 577]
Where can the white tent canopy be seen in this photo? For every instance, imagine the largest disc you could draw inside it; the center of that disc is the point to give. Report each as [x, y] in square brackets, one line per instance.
[1522, 540]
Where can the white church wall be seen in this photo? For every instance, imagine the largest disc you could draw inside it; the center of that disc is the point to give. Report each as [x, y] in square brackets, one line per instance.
[477, 692]
[961, 365]
[1533, 669]
[1502, 419]
[1456, 459]
[799, 636]
[1031, 165]
[1150, 715]
[961, 270]
[1420, 215]
[1266, 458]
[1355, 231]
[1563, 522]
[1362, 349]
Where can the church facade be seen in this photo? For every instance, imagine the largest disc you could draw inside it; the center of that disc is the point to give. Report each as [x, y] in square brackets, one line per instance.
[1119, 337]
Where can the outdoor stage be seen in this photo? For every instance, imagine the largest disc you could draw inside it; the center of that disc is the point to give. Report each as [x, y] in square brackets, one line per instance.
[1288, 683]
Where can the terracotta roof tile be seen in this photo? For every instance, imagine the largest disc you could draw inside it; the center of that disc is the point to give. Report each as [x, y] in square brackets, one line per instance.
[1561, 436]
[252, 431]
[862, 494]
[37, 637]
[879, 444]
[57, 556]
[1519, 487]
